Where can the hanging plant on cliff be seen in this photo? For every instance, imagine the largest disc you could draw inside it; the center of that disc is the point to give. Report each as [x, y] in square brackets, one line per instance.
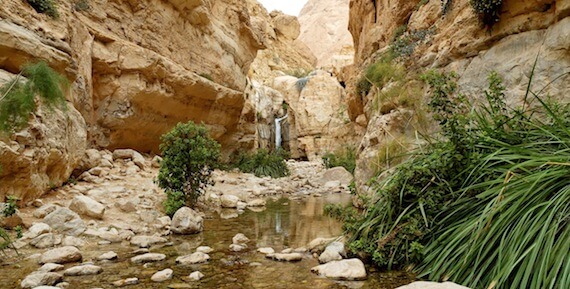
[17, 97]
[489, 10]
[45, 6]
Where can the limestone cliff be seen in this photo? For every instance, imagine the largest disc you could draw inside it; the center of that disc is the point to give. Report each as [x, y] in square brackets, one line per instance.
[324, 28]
[454, 38]
[139, 67]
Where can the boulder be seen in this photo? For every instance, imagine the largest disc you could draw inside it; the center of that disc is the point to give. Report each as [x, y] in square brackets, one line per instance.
[65, 221]
[44, 210]
[350, 269]
[186, 221]
[147, 241]
[266, 250]
[126, 282]
[204, 249]
[339, 174]
[83, 270]
[37, 279]
[240, 239]
[62, 255]
[285, 257]
[87, 207]
[257, 203]
[50, 267]
[72, 241]
[36, 230]
[319, 244]
[47, 240]
[333, 252]
[162, 276]
[238, 247]
[194, 258]
[148, 258]
[135, 156]
[108, 256]
[196, 276]
[229, 201]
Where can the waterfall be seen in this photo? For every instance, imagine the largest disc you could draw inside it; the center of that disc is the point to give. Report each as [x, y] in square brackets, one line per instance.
[278, 139]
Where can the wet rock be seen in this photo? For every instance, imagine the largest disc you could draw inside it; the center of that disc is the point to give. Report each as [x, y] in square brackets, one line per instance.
[240, 239]
[333, 252]
[108, 256]
[229, 201]
[266, 250]
[47, 240]
[148, 258]
[147, 241]
[37, 279]
[51, 267]
[44, 210]
[319, 244]
[126, 282]
[36, 230]
[194, 258]
[196, 276]
[61, 255]
[432, 285]
[291, 257]
[238, 247]
[87, 207]
[204, 249]
[257, 203]
[162, 276]
[186, 221]
[227, 214]
[83, 270]
[350, 269]
[65, 221]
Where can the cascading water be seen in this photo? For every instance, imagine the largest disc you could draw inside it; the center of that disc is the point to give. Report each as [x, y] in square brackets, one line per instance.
[278, 138]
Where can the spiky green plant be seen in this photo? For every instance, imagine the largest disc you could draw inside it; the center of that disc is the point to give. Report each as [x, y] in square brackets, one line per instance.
[262, 163]
[17, 97]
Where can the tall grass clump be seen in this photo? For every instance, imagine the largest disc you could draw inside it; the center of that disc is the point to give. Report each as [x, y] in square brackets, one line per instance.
[263, 163]
[17, 97]
[189, 157]
[487, 205]
[345, 157]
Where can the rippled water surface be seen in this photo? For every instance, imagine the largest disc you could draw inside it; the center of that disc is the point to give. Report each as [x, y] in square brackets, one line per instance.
[284, 224]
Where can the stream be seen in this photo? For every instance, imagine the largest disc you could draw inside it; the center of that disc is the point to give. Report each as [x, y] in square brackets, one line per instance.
[284, 224]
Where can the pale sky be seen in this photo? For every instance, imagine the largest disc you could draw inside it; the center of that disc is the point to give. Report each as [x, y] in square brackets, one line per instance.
[291, 7]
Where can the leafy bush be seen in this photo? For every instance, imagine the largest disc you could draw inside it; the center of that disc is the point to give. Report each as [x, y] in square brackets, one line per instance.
[45, 6]
[10, 207]
[400, 30]
[17, 100]
[9, 210]
[263, 163]
[485, 206]
[189, 157]
[489, 10]
[345, 157]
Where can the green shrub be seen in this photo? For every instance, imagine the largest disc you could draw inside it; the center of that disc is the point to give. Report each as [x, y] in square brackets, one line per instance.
[82, 5]
[345, 157]
[17, 100]
[363, 86]
[189, 157]
[263, 163]
[405, 45]
[489, 10]
[10, 207]
[47, 7]
[400, 30]
[486, 205]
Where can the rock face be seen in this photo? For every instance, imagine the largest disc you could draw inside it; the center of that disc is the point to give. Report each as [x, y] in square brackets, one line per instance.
[324, 29]
[186, 221]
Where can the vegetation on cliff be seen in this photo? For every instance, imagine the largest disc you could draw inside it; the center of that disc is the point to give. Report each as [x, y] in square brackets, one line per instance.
[487, 204]
[189, 157]
[345, 157]
[17, 97]
[47, 7]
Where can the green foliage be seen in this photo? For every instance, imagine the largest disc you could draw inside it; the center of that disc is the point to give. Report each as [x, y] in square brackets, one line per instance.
[47, 7]
[19, 231]
[17, 100]
[10, 207]
[400, 30]
[345, 157]
[489, 10]
[262, 163]
[82, 5]
[486, 205]
[405, 45]
[363, 86]
[382, 72]
[189, 157]
[346, 214]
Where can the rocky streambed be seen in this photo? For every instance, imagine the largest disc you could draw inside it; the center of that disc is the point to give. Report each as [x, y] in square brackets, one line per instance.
[107, 231]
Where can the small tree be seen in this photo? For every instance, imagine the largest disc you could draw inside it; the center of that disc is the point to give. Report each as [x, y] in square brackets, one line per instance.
[189, 156]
